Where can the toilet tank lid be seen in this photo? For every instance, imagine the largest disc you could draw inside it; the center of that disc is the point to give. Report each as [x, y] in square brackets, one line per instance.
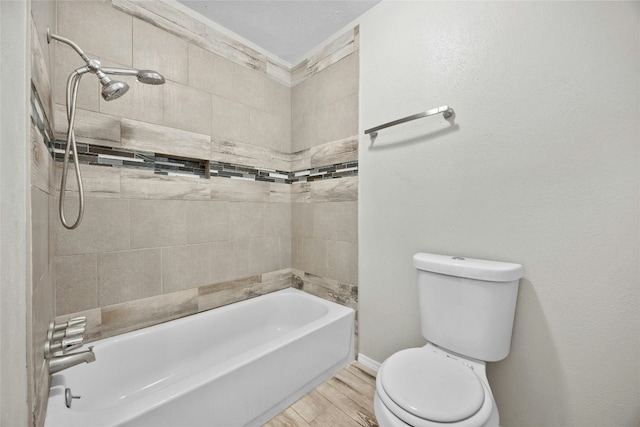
[492, 271]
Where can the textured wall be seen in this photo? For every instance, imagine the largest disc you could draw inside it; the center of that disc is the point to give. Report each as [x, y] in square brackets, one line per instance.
[540, 168]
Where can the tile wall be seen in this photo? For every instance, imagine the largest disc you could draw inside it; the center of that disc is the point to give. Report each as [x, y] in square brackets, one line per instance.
[41, 310]
[153, 247]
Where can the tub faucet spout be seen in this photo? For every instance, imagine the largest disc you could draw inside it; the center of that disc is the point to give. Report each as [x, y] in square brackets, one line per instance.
[59, 363]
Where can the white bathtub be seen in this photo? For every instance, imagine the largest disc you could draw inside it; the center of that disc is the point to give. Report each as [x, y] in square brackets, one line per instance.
[236, 365]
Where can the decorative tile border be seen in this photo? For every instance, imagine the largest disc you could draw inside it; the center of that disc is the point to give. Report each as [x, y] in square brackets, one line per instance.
[117, 157]
[97, 155]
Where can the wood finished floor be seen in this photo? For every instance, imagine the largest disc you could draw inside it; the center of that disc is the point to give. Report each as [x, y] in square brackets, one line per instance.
[344, 400]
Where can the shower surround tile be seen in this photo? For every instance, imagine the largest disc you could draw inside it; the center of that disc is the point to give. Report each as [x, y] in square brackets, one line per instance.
[97, 181]
[89, 127]
[186, 108]
[73, 24]
[137, 135]
[185, 266]
[158, 223]
[129, 276]
[155, 49]
[244, 222]
[207, 221]
[105, 227]
[120, 318]
[146, 184]
[76, 282]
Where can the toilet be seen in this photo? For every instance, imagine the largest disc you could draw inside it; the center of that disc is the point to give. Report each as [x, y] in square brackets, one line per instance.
[467, 308]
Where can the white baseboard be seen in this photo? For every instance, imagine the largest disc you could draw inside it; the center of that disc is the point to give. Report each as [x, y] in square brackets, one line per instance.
[368, 362]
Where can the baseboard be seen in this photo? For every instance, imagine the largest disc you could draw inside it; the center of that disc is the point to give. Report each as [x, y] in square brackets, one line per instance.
[368, 362]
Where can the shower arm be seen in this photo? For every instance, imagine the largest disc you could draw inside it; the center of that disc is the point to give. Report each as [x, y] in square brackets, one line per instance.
[51, 36]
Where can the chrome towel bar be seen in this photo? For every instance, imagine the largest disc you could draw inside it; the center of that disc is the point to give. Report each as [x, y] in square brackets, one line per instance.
[446, 111]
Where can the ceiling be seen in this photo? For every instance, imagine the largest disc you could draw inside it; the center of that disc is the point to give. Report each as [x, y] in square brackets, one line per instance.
[286, 28]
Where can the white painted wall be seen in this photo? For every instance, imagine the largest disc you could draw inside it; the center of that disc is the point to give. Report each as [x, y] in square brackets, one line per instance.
[15, 284]
[541, 167]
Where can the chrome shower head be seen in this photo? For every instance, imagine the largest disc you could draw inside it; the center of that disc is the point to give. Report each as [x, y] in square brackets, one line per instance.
[150, 77]
[114, 89]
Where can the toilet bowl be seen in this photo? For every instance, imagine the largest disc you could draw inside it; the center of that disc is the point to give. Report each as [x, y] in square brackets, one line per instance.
[467, 307]
[428, 386]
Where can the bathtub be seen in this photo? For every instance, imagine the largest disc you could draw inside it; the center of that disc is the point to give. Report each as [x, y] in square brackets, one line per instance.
[236, 365]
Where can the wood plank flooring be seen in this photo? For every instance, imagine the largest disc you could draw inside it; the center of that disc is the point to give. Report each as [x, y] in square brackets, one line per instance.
[344, 400]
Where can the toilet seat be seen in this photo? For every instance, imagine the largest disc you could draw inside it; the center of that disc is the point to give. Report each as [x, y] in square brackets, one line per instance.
[423, 387]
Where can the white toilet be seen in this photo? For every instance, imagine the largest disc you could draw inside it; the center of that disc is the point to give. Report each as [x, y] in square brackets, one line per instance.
[466, 309]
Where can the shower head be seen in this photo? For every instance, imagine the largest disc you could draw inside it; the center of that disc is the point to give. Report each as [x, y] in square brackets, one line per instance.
[150, 77]
[114, 89]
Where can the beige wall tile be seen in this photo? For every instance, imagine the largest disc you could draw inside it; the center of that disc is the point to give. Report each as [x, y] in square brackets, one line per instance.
[335, 190]
[240, 259]
[142, 102]
[277, 98]
[230, 120]
[342, 261]
[185, 267]
[40, 256]
[340, 151]
[285, 252]
[41, 163]
[270, 131]
[297, 260]
[239, 190]
[223, 150]
[156, 49]
[66, 60]
[303, 98]
[128, 276]
[187, 108]
[279, 193]
[105, 227]
[338, 120]
[139, 135]
[327, 221]
[349, 222]
[337, 81]
[221, 268]
[314, 256]
[247, 220]
[302, 219]
[265, 254]
[138, 314]
[156, 223]
[306, 132]
[278, 220]
[98, 29]
[227, 293]
[211, 73]
[97, 181]
[207, 221]
[76, 283]
[145, 184]
[89, 127]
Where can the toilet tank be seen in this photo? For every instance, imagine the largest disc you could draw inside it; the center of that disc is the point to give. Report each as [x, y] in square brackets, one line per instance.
[468, 305]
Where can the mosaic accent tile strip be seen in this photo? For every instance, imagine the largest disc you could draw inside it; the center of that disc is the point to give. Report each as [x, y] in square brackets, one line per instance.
[119, 157]
[231, 170]
[164, 165]
[40, 120]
